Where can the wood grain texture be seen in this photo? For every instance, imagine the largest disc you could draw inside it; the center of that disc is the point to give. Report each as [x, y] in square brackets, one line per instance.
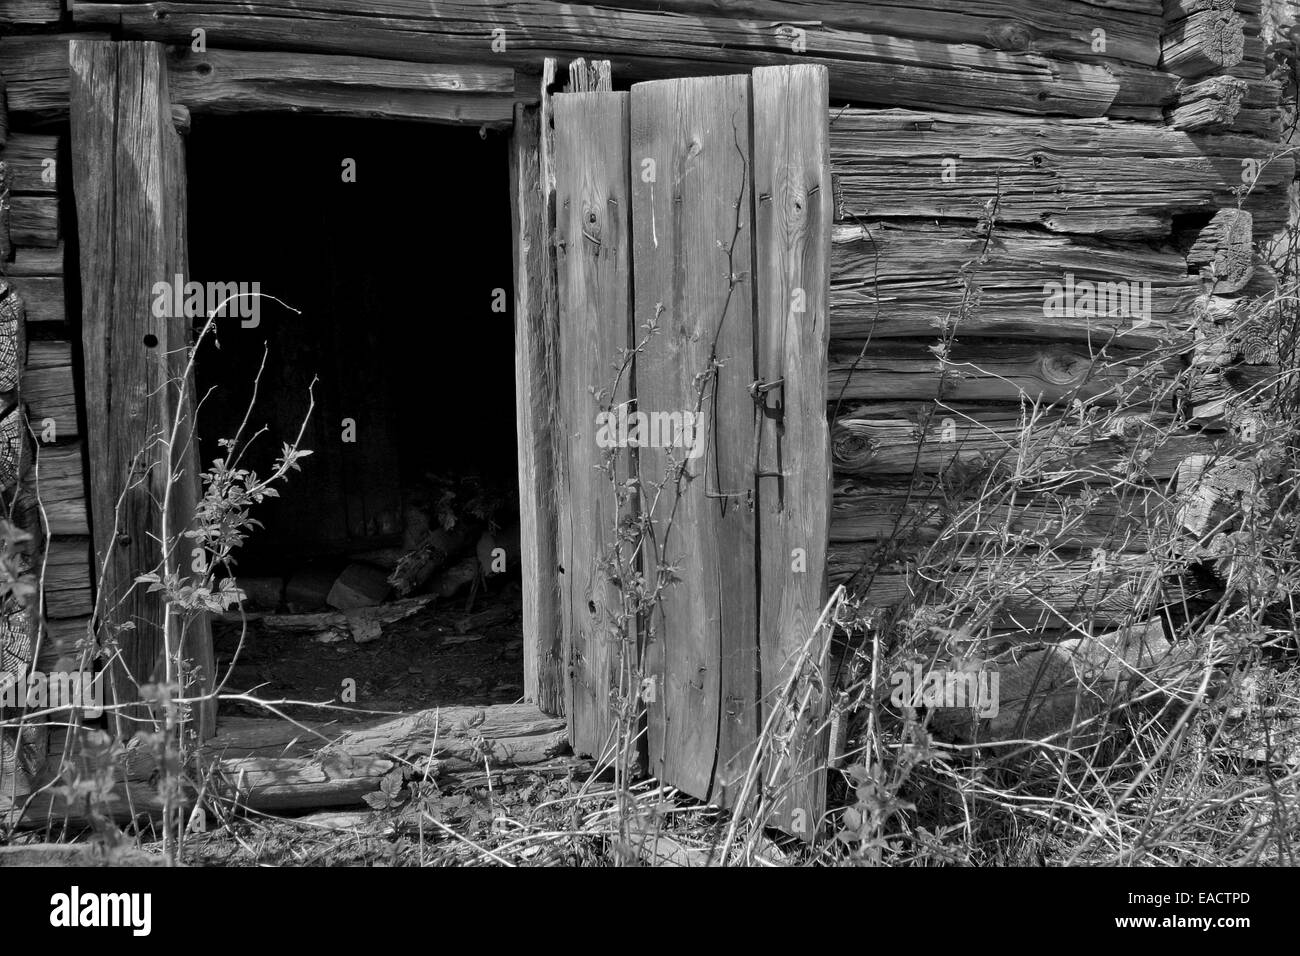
[49, 388]
[128, 167]
[896, 279]
[60, 481]
[34, 220]
[537, 409]
[1061, 28]
[28, 158]
[792, 230]
[35, 67]
[235, 81]
[31, 12]
[898, 438]
[693, 244]
[864, 66]
[1092, 177]
[594, 272]
[989, 371]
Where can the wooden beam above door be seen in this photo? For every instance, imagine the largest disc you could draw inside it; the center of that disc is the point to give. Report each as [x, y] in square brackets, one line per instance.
[240, 81]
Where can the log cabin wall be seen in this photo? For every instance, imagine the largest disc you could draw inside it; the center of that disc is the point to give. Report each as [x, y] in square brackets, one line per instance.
[1105, 130]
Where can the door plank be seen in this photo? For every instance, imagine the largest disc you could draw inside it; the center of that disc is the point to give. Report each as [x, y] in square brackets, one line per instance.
[793, 214]
[692, 262]
[592, 212]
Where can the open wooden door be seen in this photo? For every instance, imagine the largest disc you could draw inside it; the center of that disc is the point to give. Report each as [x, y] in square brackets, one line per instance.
[693, 224]
[129, 181]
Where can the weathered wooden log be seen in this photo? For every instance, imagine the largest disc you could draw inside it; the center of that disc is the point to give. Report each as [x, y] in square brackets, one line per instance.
[433, 551]
[32, 162]
[67, 578]
[42, 298]
[993, 371]
[233, 81]
[36, 262]
[904, 438]
[1029, 591]
[13, 444]
[1209, 104]
[359, 585]
[1207, 41]
[33, 12]
[361, 624]
[34, 220]
[1095, 177]
[1210, 489]
[49, 389]
[915, 514]
[66, 644]
[13, 315]
[6, 215]
[1044, 693]
[863, 66]
[271, 765]
[36, 71]
[1063, 29]
[4, 113]
[1224, 254]
[904, 279]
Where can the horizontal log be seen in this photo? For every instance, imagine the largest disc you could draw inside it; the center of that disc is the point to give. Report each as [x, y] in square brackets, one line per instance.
[1204, 42]
[989, 370]
[897, 438]
[49, 388]
[6, 241]
[34, 221]
[1208, 104]
[917, 513]
[1047, 592]
[42, 298]
[35, 68]
[61, 485]
[272, 765]
[863, 66]
[234, 81]
[904, 279]
[67, 578]
[31, 12]
[35, 261]
[65, 643]
[1095, 177]
[1063, 29]
[32, 162]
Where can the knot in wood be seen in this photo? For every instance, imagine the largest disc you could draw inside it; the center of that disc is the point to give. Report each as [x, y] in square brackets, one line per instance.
[1010, 35]
[1064, 368]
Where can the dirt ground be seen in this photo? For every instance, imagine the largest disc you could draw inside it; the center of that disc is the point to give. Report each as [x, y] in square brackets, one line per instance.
[421, 662]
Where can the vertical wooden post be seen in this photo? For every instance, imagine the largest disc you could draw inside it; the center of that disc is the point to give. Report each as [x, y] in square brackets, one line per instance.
[536, 403]
[792, 236]
[128, 177]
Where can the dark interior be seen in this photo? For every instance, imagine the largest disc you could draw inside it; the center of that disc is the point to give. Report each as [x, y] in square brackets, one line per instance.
[393, 276]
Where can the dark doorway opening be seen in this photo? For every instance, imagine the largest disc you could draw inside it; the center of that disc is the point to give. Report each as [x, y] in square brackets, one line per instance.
[393, 244]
